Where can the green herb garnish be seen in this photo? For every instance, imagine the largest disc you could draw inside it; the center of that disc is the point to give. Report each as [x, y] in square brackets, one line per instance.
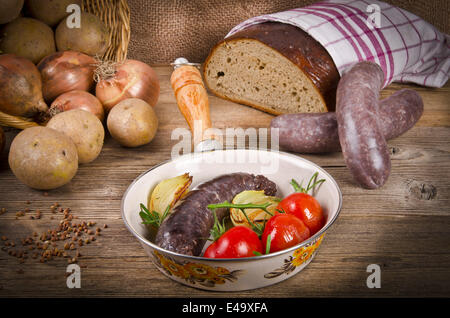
[152, 218]
[313, 182]
[258, 228]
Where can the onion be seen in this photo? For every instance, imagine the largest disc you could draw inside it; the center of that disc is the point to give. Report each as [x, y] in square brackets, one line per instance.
[168, 192]
[130, 79]
[20, 87]
[77, 99]
[257, 216]
[66, 71]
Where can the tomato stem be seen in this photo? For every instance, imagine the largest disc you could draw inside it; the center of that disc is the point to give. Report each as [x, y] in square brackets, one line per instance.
[315, 183]
[217, 229]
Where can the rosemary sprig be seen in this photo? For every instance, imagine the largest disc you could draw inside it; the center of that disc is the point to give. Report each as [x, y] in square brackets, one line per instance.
[258, 228]
[312, 184]
[152, 218]
[229, 205]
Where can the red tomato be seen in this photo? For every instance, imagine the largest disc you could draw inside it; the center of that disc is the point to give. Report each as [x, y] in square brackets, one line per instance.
[285, 230]
[306, 208]
[239, 241]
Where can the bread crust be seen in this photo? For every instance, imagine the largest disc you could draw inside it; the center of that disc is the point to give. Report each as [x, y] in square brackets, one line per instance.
[298, 47]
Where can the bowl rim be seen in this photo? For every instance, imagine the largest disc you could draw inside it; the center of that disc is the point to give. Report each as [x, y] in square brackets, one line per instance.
[145, 241]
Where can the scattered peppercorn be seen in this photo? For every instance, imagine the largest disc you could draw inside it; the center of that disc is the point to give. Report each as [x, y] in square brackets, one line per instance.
[20, 214]
[47, 242]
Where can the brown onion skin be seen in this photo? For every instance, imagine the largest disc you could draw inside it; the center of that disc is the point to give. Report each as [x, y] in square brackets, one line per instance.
[66, 71]
[20, 87]
[132, 79]
[77, 100]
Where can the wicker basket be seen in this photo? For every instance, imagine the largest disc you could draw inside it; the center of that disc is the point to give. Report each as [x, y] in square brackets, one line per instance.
[116, 15]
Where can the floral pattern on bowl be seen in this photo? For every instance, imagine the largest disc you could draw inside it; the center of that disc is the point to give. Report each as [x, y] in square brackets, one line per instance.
[194, 273]
[298, 258]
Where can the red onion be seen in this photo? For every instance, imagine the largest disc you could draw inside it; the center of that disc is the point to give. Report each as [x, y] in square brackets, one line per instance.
[130, 79]
[66, 71]
[77, 99]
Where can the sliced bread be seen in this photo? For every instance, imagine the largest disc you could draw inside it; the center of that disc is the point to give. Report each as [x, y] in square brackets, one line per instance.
[275, 67]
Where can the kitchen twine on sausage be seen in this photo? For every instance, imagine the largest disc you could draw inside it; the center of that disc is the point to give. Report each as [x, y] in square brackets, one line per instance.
[407, 48]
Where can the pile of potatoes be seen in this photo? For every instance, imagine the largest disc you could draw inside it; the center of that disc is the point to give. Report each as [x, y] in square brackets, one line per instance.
[48, 156]
[36, 28]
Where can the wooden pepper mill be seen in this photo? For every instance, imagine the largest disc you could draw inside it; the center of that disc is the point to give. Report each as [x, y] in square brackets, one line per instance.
[192, 100]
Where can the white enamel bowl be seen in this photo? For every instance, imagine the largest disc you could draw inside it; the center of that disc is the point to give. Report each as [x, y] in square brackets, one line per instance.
[232, 274]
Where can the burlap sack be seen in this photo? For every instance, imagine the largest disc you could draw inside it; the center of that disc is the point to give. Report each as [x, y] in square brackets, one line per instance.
[162, 30]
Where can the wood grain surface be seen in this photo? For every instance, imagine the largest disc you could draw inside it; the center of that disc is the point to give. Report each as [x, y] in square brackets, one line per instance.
[404, 227]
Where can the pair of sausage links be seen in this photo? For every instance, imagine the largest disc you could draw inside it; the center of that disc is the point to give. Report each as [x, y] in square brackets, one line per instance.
[318, 132]
[185, 230]
[362, 141]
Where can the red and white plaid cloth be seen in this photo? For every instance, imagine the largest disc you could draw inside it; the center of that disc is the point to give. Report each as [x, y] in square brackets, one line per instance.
[407, 48]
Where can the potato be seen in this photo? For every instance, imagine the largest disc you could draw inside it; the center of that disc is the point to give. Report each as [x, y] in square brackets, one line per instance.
[9, 10]
[92, 38]
[132, 122]
[49, 11]
[43, 158]
[85, 130]
[28, 38]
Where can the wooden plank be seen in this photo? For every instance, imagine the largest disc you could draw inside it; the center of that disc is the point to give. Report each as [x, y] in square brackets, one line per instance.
[417, 162]
[408, 255]
[420, 145]
[436, 103]
[403, 191]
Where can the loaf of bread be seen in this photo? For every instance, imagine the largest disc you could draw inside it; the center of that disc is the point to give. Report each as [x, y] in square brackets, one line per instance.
[275, 67]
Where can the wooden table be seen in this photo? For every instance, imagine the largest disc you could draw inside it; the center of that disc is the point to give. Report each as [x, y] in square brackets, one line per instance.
[404, 227]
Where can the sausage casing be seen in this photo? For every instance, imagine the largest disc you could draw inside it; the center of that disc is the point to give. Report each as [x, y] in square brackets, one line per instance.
[362, 142]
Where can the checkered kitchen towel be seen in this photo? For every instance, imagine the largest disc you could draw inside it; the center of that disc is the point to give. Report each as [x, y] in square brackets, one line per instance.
[407, 48]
